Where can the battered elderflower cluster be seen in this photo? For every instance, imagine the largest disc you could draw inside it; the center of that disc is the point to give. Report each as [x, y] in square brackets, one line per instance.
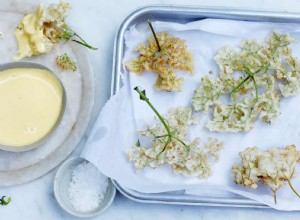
[273, 167]
[57, 13]
[246, 87]
[55, 27]
[170, 145]
[54, 21]
[163, 54]
[65, 62]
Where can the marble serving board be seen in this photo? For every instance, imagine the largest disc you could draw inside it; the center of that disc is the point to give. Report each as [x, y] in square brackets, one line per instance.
[18, 168]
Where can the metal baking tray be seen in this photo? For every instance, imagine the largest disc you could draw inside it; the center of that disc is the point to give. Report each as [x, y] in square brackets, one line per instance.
[184, 14]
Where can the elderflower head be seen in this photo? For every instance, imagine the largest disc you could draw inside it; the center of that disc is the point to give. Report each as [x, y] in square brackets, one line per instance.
[183, 156]
[54, 24]
[173, 55]
[273, 167]
[57, 13]
[266, 66]
[66, 63]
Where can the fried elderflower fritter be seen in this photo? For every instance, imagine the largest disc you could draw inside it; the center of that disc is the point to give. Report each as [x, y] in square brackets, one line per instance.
[170, 145]
[55, 27]
[246, 87]
[273, 168]
[173, 55]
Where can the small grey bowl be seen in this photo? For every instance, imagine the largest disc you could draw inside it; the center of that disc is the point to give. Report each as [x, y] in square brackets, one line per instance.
[61, 182]
[16, 65]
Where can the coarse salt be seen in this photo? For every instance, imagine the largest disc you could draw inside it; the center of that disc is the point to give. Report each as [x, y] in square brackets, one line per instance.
[87, 187]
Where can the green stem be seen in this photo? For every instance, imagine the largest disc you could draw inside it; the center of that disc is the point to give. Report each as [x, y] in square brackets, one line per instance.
[274, 196]
[80, 38]
[292, 188]
[169, 135]
[166, 144]
[144, 97]
[154, 35]
[248, 72]
[184, 144]
[238, 87]
[83, 42]
[161, 136]
[250, 76]
[256, 88]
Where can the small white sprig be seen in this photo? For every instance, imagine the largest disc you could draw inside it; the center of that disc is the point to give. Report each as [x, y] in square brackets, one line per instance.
[65, 62]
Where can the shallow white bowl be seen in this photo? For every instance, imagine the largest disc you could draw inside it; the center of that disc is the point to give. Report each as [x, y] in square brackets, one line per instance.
[61, 182]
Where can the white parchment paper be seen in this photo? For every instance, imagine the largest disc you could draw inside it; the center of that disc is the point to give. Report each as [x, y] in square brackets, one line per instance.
[115, 129]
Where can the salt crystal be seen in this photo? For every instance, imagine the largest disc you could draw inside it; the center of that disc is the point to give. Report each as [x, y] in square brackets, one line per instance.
[87, 187]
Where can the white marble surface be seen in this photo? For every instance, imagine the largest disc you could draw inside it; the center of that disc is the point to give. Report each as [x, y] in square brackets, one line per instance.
[98, 21]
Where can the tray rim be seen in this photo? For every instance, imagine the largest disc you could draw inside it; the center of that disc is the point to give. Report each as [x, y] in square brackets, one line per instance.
[159, 198]
[217, 12]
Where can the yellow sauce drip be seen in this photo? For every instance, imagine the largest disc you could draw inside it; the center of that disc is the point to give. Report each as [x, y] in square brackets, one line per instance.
[30, 36]
[31, 103]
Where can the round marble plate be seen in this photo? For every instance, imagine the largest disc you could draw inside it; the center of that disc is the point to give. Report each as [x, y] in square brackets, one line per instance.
[18, 168]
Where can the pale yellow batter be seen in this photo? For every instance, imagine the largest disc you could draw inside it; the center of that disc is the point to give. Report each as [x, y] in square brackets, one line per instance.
[30, 105]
